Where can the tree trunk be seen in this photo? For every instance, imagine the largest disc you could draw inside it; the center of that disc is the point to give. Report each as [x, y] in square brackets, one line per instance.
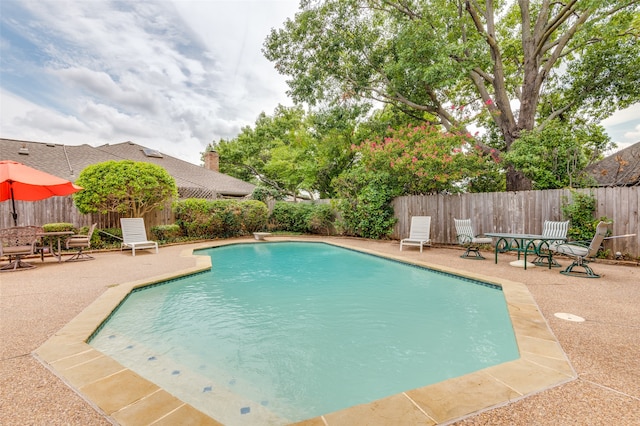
[516, 180]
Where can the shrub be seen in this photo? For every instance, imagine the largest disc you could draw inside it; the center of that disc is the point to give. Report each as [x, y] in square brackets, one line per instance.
[199, 218]
[321, 219]
[254, 216]
[166, 233]
[581, 214]
[109, 237]
[304, 218]
[365, 205]
[290, 217]
[58, 227]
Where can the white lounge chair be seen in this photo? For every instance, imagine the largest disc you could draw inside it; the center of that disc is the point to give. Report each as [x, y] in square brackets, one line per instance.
[581, 253]
[419, 234]
[469, 239]
[134, 235]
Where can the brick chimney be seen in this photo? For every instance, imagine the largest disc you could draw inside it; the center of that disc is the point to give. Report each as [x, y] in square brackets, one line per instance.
[212, 161]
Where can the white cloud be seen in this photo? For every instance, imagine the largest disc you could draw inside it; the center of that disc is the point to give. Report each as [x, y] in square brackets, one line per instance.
[172, 76]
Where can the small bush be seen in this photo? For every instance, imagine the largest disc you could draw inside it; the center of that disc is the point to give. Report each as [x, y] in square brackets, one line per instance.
[302, 218]
[290, 217]
[581, 214]
[166, 233]
[199, 218]
[254, 216]
[321, 219]
[58, 227]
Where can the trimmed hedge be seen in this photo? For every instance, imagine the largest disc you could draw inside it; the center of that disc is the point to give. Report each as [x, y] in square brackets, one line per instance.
[166, 233]
[304, 218]
[200, 218]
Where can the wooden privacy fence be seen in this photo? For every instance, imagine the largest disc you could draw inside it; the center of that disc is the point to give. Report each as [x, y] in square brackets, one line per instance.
[494, 211]
[521, 212]
[62, 209]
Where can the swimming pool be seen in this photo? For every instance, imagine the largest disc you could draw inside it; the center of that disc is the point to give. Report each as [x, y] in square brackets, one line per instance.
[301, 329]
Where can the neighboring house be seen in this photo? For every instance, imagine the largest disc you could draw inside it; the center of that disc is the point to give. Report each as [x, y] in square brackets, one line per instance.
[67, 161]
[619, 169]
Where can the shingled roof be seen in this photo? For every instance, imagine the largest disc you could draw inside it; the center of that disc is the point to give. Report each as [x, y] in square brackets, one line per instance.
[67, 161]
[619, 169]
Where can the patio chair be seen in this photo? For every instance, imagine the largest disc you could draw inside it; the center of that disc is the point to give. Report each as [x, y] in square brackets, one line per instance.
[582, 252]
[17, 242]
[550, 229]
[418, 233]
[468, 238]
[134, 235]
[80, 242]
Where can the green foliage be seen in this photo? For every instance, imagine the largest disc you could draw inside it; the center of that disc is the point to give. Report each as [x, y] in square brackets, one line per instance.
[263, 193]
[254, 216]
[364, 204]
[290, 217]
[580, 212]
[106, 238]
[555, 156]
[291, 152]
[166, 233]
[126, 187]
[199, 218]
[303, 218]
[321, 220]
[516, 65]
[58, 227]
[423, 159]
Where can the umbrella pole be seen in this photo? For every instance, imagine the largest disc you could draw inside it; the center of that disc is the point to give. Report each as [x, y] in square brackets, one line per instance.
[13, 204]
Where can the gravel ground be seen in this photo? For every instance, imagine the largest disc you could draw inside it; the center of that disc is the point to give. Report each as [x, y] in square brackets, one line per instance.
[603, 350]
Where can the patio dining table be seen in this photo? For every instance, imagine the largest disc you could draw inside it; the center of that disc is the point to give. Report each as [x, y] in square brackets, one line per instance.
[58, 236]
[523, 244]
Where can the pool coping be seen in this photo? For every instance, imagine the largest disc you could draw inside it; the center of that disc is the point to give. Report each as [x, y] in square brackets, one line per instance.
[128, 399]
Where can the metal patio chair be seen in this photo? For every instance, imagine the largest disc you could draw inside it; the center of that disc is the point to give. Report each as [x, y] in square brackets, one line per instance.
[468, 238]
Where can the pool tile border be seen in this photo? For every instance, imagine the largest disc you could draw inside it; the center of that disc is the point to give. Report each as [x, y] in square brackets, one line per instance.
[130, 400]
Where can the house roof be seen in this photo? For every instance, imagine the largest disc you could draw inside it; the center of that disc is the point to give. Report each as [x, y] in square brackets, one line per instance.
[67, 161]
[619, 169]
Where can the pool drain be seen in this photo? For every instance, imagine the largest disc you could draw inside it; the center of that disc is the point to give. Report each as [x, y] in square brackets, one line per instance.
[569, 317]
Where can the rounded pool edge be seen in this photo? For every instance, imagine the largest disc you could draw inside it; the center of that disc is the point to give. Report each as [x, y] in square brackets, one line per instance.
[129, 399]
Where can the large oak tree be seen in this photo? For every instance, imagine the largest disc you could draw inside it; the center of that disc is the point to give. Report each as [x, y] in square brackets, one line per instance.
[511, 65]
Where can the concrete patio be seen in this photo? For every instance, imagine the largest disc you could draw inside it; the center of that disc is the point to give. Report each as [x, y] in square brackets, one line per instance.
[603, 351]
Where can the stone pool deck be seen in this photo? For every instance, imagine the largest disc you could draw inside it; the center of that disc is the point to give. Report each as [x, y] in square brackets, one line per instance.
[571, 373]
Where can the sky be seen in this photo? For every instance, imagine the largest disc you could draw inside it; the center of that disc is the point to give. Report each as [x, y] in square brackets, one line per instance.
[170, 75]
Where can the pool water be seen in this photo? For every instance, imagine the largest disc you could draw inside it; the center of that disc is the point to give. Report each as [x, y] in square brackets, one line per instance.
[281, 332]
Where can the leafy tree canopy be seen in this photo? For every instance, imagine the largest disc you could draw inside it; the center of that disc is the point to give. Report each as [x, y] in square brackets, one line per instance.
[127, 187]
[423, 159]
[508, 66]
[556, 155]
[292, 151]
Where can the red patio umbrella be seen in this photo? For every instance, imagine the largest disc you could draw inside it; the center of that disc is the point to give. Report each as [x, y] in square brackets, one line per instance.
[20, 182]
